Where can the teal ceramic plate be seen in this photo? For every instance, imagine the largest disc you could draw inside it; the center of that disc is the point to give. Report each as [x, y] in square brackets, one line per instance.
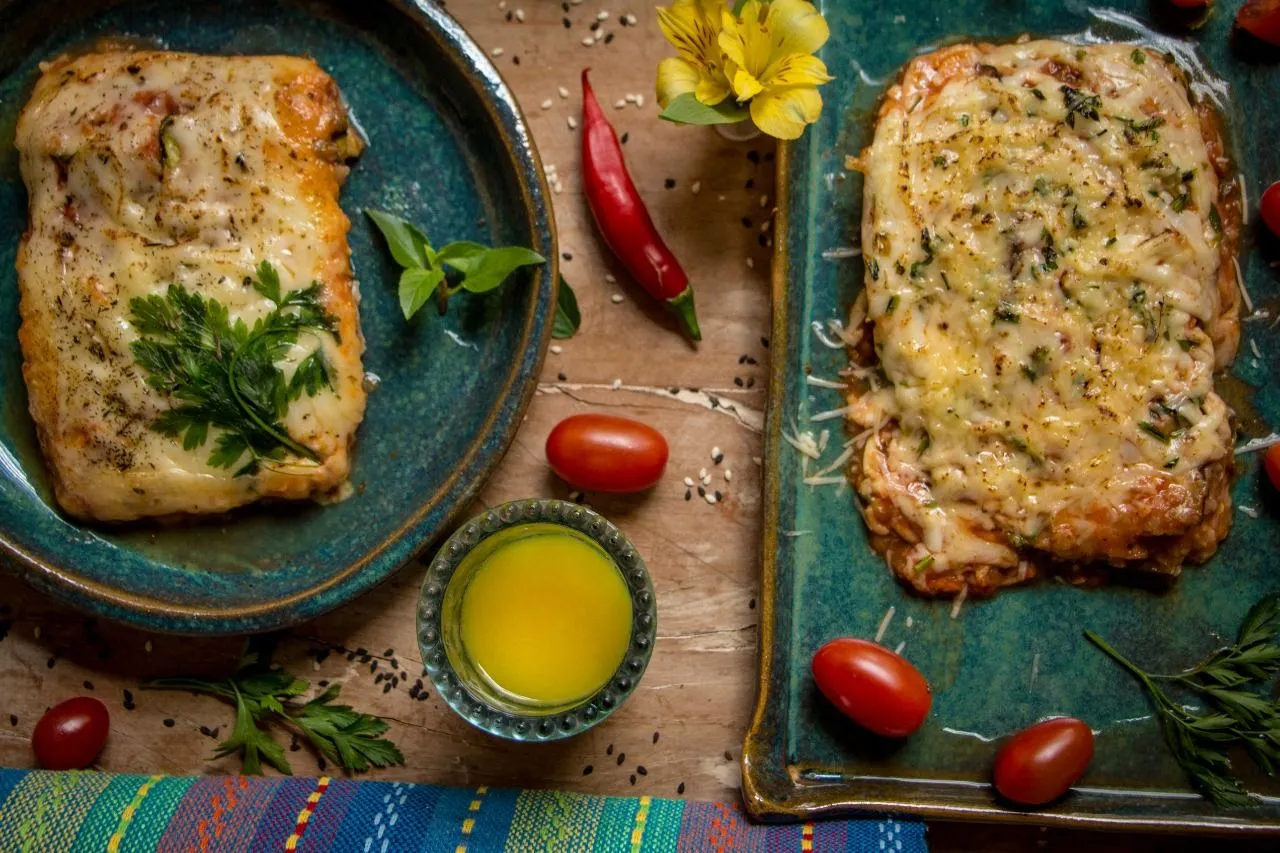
[449, 149]
[1011, 660]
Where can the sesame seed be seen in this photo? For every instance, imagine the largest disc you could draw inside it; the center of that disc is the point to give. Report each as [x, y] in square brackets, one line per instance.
[609, 278]
[728, 474]
[556, 349]
[702, 473]
[751, 264]
[497, 51]
[688, 481]
[706, 479]
[602, 15]
[711, 499]
[617, 383]
[520, 15]
[630, 98]
[764, 200]
[147, 646]
[616, 298]
[546, 105]
[639, 100]
[630, 19]
[619, 104]
[562, 92]
[588, 41]
[696, 187]
[715, 451]
[573, 125]
[502, 4]
[575, 2]
[35, 632]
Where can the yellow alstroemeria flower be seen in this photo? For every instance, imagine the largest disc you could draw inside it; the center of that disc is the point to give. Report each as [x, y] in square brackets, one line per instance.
[692, 27]
[768, 50]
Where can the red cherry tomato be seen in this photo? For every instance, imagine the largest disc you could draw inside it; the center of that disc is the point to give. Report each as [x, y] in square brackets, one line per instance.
[71, 734]
[603, 453]
[1261, 18]
[1041, 762]
[872, 686]
[1271, 461]
[1270, 207]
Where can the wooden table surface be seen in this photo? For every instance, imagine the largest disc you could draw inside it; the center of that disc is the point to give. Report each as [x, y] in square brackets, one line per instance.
[681, 733]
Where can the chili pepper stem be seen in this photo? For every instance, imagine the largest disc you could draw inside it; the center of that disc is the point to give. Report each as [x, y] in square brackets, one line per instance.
[682, 307]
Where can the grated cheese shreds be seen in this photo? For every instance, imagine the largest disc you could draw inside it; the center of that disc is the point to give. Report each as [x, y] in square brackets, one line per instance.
[958, 602]
[804, 443]
[1253, 445]
[1248, 510]
[884, 622]
[824, 481]
[898, 649]
[844, 457]
[1244, 200]
[832, 414]
[796, 534]
[1244, 291]
[819, 382]
[1253, 345]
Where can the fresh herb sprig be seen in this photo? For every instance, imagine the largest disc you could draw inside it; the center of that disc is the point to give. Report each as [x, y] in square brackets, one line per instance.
[1078, 103]
[225, 375]
[425, 269]
[1233, 713]
[264, 696]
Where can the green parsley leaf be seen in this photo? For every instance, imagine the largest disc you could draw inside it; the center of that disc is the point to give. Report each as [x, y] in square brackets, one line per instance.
[1139, 56]
[265, 697]
[568, 318]
[1007, 312]
[1078, 103]
[227, 376]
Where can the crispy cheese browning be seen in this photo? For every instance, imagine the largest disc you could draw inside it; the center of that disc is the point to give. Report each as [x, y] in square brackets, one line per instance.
[146, 169]
[1049, 289]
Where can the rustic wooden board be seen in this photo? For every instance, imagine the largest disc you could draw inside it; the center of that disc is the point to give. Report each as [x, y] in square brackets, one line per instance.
[680, 734]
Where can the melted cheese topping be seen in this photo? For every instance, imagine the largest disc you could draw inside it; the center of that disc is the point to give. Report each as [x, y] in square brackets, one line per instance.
[1042, 247]
[145, 169]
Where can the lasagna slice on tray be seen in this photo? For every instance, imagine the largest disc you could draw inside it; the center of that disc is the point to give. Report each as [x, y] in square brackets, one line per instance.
[1048, 237]
[189, 316]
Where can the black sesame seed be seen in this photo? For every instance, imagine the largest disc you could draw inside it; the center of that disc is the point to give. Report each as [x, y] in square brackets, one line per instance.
[655, 737]
[13, 719]
[373, 666]
[680, 788]
[567, 23]
[515, 60]
[633, 778]
[764, 342]
[640, 768]
[586, 771]
[754, 156]
[321, 762]
[688, 495]
[715, 401]
[751, 605]
[751, 360]
[669, 183]
[728, 756]
[88, 685]
[702, 493]
[379, 679]
[565, 7]
[386, 688]
[324, 682]
[746, 222]
[168, 722]
[763, 240]
[510, 16]
[208, 732]
[719, 496]
[673, 391]
[362, 651]
[561, 377]
[751, 182]
[742, 359]
[751, 381]
[768, 156]
[737, 380]
[608, 38]
[608, 750]
[568, 256]
[294, 746]
[622, 756]
[128, 700]
[625, 137]
[51, 661]
[395, 664]
[388, 653]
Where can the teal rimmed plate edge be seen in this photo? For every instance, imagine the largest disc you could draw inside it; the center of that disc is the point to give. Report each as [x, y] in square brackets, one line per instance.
[590, 712]
[476, 462]
[784, 778]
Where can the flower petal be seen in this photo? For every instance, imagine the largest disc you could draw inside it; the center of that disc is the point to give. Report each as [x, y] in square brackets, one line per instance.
[744, 39]
[744, 84]
[796, 69]
[712, 89]
[675, 77]
[691, 27]
[783, 113]
[796, 27]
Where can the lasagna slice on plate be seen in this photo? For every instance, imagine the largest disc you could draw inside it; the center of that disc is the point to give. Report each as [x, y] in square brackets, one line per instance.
[189, 316]
[1048, 237]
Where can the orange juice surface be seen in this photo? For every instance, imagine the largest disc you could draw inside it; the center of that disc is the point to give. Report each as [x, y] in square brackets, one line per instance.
[547, 617]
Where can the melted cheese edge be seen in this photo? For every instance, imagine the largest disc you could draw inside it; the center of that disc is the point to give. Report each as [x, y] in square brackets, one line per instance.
[1039, 290]
[253, 181]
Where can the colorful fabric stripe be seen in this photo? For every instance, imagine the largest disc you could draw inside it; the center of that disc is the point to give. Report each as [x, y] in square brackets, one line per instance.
[86, 811]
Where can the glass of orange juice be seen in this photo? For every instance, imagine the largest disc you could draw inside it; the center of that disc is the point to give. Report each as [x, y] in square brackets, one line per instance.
[536, 620]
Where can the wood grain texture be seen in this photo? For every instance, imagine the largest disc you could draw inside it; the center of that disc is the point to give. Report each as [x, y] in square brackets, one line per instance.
[680, 734]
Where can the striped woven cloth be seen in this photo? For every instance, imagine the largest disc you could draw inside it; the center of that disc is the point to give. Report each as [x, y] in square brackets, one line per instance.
[43, 811]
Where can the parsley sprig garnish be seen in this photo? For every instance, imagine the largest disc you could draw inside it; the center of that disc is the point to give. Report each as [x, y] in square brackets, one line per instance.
[1233, 713]
[226, 375]
[1078, 103]
[263, 696]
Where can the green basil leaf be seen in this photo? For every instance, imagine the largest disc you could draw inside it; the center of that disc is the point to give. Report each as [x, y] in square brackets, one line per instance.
[408, 245]
[484, 269]
[686, 109]
[567, 316]
[416, 287]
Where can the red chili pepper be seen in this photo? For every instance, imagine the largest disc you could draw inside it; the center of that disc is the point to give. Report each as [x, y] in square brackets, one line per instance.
[623, 220]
